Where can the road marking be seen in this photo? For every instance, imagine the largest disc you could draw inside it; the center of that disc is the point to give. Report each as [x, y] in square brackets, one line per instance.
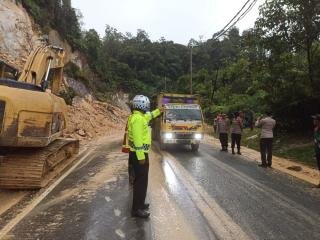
[7, 228]
[120, 233]
[221, 223]
[117, 212]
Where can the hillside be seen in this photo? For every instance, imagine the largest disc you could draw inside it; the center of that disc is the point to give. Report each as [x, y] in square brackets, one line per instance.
[87, 117]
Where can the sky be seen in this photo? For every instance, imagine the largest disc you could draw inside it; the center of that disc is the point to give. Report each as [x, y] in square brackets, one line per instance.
[176, 20]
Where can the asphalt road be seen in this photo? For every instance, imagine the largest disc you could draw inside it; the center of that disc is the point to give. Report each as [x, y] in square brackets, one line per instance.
[204, 195]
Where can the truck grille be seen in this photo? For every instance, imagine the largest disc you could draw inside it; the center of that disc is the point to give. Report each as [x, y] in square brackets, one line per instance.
[2, 108]
[184, 135]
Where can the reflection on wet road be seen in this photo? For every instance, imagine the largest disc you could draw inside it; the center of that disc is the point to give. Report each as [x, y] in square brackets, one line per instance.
[204, 195]
[264, 203]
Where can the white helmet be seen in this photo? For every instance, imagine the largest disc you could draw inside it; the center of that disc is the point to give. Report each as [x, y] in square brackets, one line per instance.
[141, 102]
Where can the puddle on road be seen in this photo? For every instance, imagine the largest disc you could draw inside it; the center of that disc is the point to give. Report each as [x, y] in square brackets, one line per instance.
[167, 219]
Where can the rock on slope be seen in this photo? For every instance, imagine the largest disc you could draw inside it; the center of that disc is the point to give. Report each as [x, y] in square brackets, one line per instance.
[17, 36]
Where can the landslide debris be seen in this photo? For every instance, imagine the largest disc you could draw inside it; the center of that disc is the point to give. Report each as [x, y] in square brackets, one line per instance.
[88, 119]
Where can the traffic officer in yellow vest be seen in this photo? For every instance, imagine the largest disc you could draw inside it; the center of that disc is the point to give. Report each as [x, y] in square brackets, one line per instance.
[139, 134]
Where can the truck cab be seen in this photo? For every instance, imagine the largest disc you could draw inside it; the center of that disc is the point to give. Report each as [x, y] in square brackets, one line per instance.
[182, 121]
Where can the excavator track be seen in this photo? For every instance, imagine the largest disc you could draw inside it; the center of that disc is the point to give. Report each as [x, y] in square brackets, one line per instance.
[32, 168]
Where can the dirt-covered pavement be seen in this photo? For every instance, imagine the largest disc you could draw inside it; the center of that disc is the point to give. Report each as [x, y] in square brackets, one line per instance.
[295, 169]
[204, 195]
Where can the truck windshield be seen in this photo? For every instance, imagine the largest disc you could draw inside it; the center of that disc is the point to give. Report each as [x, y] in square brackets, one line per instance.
[183, 114]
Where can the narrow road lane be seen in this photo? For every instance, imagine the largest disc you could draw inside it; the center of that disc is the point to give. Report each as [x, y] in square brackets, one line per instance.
[204, 195]
[265, 203]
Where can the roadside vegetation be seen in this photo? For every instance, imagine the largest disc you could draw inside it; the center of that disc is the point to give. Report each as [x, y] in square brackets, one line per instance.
[272, 66]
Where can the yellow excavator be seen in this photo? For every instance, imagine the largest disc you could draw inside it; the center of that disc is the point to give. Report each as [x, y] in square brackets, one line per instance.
[32, 118]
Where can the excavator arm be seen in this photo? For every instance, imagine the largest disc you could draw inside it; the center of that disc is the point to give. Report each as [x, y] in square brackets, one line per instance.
[44, 68]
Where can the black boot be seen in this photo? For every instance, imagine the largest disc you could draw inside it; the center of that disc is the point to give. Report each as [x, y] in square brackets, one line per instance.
[263, 165]
[233, 151]
[140, 213]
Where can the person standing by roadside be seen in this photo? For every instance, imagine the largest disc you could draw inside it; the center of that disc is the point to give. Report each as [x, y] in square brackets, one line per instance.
[316, 124]
[215, 124]
[267, 125]
[236, 131]
[223, 125]
[139, 134]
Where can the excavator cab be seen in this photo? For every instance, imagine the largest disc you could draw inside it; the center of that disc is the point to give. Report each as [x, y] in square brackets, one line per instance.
[34, 115]
[8, 71]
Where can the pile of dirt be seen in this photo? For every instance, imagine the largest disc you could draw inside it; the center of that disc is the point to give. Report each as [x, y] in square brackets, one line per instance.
[89, 119]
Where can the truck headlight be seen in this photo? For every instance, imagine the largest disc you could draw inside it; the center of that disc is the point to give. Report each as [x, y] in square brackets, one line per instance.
[198, 136]
[168, 135]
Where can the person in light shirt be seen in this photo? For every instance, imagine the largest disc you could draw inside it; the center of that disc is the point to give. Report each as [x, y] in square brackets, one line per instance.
[223, 126]
[236, 131]
[267, 125]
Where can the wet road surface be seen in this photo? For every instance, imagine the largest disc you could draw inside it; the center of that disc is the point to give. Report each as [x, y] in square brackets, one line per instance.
[204, 195]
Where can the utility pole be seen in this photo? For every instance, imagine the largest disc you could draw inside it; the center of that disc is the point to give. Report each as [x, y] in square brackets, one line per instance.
[191, 70]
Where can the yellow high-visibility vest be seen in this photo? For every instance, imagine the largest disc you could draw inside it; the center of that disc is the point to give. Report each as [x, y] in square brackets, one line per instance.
[139, 132]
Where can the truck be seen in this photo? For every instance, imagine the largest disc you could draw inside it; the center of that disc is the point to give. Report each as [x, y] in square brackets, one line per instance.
[182, 121]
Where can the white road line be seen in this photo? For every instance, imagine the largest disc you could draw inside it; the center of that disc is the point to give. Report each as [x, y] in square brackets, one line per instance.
[221, 223]
[278, 197]
[7, 228]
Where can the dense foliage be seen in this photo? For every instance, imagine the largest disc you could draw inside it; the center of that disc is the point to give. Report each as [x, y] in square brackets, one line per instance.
[273, 66]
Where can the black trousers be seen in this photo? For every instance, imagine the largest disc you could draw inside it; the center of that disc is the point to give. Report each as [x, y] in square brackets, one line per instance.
[131, 168]
[140, 183]
[235, 139]
[224, 140]
[266, 151]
